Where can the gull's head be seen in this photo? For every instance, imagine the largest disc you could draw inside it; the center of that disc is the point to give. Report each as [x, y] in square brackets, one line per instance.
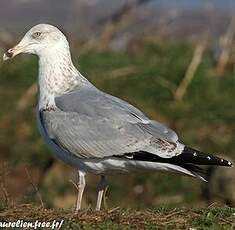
[39, 40]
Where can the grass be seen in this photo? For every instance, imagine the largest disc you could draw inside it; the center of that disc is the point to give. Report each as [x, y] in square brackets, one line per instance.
[161, 218]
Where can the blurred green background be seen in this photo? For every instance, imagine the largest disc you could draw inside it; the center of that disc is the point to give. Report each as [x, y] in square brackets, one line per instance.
[147, 69]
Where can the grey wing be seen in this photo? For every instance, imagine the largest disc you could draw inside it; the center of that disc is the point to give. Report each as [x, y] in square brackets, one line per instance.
[92, 124]
[92, 102]
[92, 137]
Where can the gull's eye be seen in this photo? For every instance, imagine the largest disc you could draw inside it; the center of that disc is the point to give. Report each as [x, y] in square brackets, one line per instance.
[36, 34]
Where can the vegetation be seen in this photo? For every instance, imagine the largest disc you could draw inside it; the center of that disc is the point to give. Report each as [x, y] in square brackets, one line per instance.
[161, 218]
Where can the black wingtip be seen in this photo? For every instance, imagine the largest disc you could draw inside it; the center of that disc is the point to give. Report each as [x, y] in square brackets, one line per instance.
[197, 157]
[188, 156]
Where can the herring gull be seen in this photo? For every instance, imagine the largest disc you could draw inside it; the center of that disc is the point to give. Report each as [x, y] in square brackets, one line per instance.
[93, 131]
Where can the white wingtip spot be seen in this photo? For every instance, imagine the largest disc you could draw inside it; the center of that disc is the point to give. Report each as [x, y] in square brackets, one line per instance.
[229, 163]
[208, 157]
[222, 160]
[195, 154]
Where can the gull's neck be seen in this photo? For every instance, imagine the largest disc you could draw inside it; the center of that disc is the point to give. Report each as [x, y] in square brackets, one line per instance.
[57, 75]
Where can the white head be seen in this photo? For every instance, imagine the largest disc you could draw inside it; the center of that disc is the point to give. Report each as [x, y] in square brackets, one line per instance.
[57, 74]
[40, 40]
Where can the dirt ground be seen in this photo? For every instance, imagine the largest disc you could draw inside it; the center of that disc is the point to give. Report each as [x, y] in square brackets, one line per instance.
[162, 218]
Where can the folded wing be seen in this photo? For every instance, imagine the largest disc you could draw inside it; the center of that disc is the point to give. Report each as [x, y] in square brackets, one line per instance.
[92, 124]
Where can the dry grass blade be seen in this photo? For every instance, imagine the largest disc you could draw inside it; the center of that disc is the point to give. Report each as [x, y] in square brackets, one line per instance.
[122, 72]
[34, 187]
[113, 209]
[118, 20]
[3, 174]
[192, 68]
[226, 46]
[75, 185]
[5, 194]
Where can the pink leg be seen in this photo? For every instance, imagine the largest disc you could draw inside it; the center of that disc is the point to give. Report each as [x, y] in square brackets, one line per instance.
[101, 189]
[81, 187]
